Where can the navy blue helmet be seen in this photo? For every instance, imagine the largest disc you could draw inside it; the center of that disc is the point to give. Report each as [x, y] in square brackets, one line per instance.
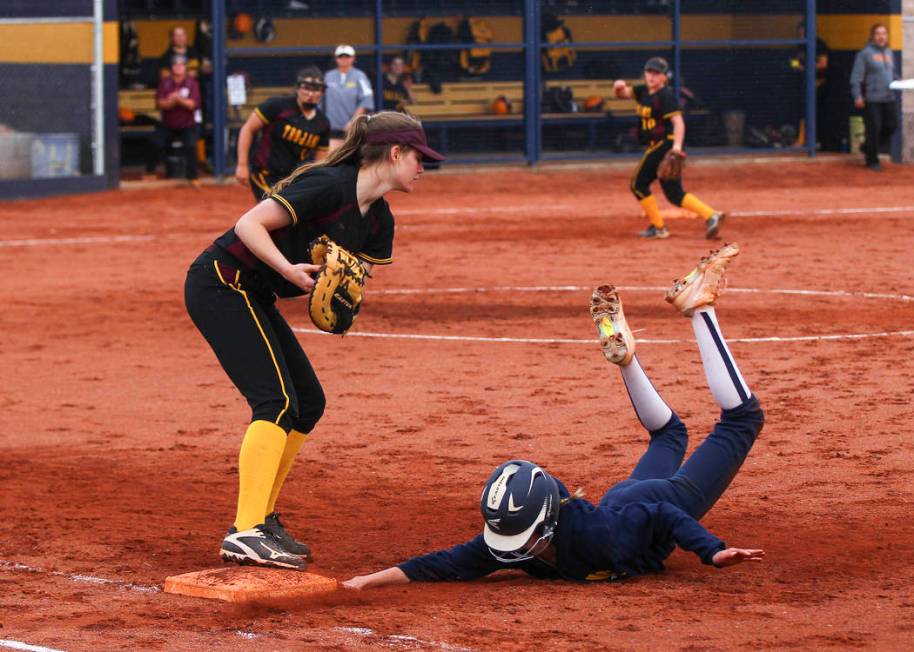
[520, 506]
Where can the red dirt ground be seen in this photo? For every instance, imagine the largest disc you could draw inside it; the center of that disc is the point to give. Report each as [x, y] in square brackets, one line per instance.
[120, 431]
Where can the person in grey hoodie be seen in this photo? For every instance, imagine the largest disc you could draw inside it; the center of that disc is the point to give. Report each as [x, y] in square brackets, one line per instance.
[874, 70]
[347, 96]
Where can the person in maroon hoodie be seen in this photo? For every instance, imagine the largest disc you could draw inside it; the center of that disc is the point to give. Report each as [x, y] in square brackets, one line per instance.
[178, 99]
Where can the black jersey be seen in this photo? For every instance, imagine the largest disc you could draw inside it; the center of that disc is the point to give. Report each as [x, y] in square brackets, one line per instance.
[320, 202]
[288, 137]
[655, 111]
[396, 97]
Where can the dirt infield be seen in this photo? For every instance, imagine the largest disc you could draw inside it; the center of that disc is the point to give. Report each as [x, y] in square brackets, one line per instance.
[120, 431]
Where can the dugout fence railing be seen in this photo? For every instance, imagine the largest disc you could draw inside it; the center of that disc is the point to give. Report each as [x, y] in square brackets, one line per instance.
[733, 67]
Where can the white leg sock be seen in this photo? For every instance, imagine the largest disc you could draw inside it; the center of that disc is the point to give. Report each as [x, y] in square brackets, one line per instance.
[652, 412]
[724, 379]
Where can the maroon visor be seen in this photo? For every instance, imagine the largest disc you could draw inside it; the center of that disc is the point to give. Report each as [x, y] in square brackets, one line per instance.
[414, 138]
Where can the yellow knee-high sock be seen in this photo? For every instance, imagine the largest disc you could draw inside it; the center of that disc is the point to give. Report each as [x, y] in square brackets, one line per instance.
[293, 443]
[649, 204]
[692, 203]
[258, 461]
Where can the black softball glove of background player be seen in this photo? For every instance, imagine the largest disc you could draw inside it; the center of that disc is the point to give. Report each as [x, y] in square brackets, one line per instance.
[337, 293]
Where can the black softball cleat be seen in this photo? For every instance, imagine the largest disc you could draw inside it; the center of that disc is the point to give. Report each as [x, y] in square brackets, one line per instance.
[274, 525]
[259, 547]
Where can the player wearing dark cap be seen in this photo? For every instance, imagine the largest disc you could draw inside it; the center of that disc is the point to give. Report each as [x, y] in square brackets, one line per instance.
[662, 130]
[293, 131]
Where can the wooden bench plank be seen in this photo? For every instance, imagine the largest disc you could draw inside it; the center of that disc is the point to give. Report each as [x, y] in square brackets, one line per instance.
[457, 99]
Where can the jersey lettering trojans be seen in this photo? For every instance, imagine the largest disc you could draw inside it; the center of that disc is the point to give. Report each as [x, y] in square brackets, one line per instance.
[307, 141]
[288, 136]
[655, 110]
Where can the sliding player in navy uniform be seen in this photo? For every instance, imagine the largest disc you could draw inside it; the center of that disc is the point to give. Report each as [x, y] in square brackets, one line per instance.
[662, 130]
[294, 131]
[533, 524]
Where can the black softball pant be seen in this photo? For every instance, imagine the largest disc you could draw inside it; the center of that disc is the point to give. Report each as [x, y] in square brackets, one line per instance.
[646, 173]
[254, 345]
[880, 120]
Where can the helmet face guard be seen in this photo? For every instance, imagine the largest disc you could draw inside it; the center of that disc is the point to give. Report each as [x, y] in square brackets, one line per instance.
[528, 551]
[520, 505]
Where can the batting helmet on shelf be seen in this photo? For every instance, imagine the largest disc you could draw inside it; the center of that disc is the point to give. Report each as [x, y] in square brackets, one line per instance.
[264, 30]
[520, 504]
[501, 105]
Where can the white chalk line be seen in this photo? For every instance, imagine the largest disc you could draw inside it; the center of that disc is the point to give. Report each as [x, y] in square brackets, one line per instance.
[571, 209]
[872, 212]
[19, 645]
[400, 640]
[625, 288]
[643, 288]
[89, 239]
[78, 577]
[560, 340]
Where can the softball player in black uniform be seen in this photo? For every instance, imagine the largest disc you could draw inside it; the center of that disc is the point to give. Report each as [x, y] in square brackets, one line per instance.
[293, 129]
[231, 290]
[662, 130]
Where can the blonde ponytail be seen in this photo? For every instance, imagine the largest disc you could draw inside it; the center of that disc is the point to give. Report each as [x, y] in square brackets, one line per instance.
[578, 493]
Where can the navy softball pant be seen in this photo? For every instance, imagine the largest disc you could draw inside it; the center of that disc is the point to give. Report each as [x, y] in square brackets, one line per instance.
[694, 487]
[254, 344]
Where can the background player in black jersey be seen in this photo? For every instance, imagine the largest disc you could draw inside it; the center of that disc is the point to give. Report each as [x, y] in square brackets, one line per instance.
[231, 292]
[662, 129]
[397, 86]
[293, 131]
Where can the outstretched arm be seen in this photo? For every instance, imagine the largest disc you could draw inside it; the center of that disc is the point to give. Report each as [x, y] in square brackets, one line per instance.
[385, 577]
[691, 535]
[463, 562]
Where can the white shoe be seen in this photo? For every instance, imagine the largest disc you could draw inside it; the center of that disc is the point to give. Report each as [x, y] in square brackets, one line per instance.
[702, 285]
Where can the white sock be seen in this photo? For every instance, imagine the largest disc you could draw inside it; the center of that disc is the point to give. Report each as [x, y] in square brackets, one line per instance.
[726, 383]
[652, 412]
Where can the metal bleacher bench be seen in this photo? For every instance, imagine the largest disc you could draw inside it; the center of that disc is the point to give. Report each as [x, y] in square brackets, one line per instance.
[459, 104]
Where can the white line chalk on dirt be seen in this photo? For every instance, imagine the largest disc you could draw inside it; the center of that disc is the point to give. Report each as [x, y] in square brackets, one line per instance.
[840, 294]
[14, 566]
[399, 640]
[873, 212]
[591, 342]
[19, 645]
[644, 288]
